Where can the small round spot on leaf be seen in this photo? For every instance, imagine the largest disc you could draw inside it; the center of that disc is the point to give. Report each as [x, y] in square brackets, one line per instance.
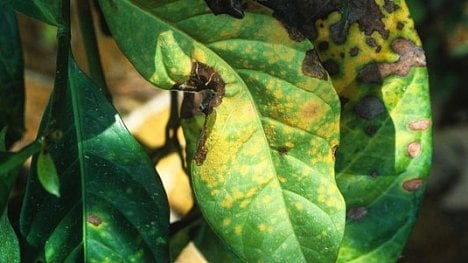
[283, 150]
[94, 220]
[354, 51]
[371, 130]
[414, 149]
[56, 135]
[400, 25]
[357, 213]
[332, 67]
[374, 173]
[412, 185]
[323, 45]
[420, 125]
[369, 107]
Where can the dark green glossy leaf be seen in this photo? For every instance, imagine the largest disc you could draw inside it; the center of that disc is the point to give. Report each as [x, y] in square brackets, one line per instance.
[10, 164]
[266, 185]
[47, 11]
[11, 75]
[205, 240]
[377, 66]
[9, 247]
[213, 248]
[47, 174]
[112, 206]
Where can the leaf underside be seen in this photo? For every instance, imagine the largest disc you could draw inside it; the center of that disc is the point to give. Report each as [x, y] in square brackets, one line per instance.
[112, 205]
[266, 186]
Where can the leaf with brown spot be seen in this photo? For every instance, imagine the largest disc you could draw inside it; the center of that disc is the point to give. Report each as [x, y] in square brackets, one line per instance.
[385, 124]
[277, 95]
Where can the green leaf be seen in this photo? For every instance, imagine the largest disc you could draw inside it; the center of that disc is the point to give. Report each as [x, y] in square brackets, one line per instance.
[267, 185]
[112, 206]
[205, 240]
[212, 248]
[47, 11]
[9, 249]
[10, 164]
[47, 174]
[11, 76]
[378, 69]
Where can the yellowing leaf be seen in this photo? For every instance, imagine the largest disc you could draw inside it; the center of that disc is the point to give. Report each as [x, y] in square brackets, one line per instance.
[263, 168]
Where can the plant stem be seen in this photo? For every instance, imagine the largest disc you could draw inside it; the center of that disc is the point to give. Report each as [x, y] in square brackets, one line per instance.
[61, 71]
[91, 46]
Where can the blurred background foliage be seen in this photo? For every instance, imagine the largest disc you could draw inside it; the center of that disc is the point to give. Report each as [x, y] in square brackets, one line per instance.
[440, 235]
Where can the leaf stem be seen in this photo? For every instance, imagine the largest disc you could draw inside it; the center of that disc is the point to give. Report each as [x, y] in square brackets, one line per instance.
[16, 159]
[91, 46]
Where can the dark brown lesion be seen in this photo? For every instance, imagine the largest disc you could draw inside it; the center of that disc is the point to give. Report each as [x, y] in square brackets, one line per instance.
[390, 6]
[410, 56]
[312, 67]
[283, 150]
[354, 51]
[203, 92]
[94, 220]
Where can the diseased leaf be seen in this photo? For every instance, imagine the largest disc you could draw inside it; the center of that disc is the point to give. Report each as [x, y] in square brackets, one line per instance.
[11, 75]
[112, 205]
[377, 65]
[263, 169]
[47, 174]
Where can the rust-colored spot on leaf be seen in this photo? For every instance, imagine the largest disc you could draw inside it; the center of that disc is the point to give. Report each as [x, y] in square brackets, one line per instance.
[410, 56]
[310, 110]
[420, 125]
[412, 185]
[357, 213]
[414, 149]
[94, 220]
[312, 67]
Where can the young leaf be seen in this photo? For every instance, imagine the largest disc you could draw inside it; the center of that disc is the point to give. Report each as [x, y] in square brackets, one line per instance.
[263, 172]
[11, 75]
[47, 174]
[377, 65]
[112, 205]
